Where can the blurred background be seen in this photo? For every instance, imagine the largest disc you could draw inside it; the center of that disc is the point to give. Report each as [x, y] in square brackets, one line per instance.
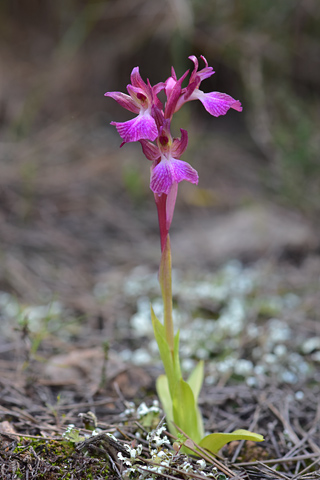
[76, 211]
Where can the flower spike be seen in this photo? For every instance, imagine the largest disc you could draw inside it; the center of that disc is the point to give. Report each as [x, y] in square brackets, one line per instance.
[152, 124]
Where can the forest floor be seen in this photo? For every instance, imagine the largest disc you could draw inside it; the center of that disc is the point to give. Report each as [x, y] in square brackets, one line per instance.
[79, 254]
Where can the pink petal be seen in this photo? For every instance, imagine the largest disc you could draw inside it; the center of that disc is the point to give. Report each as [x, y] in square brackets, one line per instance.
[152, 93]
[237, 106]
[179, 145]
[124, 100]
[173, 92]
[169, 85]
[170, 204]
[173, 73]
[136, 79]
[157, 114]
[150, 150]
[204, 59]
[141, 127]
[216, 103]
[194, 59]
[183, 171]
[206, 72]
[167, 172]
[157, 89]
[165, 138]
[137, 94]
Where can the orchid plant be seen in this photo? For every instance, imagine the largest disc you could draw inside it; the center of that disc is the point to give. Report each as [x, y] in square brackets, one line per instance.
[151, 127]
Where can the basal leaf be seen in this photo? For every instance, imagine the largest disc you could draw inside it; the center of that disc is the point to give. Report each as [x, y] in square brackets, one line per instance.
[164, 350]
[163, 391]
[185, 410]
[195, 379]
[176, 357]
[215, 441]
[200, 421]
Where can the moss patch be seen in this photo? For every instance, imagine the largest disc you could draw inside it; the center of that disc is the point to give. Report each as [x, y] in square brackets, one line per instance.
[50, 460]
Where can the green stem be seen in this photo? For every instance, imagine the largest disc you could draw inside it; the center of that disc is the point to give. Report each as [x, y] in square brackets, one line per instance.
[166, 290]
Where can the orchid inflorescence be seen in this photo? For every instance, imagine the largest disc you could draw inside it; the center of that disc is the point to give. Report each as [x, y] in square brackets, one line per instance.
[152, 124]
[151, 127]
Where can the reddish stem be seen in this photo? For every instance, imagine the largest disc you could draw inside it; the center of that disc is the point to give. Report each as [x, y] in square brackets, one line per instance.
[162, 217]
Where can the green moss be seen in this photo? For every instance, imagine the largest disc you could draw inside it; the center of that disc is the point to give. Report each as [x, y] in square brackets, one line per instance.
[58, 459]
[18, 473]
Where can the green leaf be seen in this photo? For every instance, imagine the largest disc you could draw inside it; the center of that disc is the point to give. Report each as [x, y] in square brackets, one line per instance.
[195, 379]
[178, 398]
[162, 387]
[73, 435]
[165, 352]
[199, 421]
[215, 441]
[176, 358]
[185, 410]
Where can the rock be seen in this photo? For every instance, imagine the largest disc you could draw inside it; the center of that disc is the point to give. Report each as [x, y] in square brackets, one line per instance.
[82, 366]
[247, 233]
[85, 366]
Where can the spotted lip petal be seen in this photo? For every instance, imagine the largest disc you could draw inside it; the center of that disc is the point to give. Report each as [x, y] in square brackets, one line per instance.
[216, 103]
[141, 127]
[170, 171]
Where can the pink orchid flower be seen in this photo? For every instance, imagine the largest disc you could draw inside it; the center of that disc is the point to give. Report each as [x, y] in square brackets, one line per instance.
[142, 99]
[167, 168]
[167, 171]
[216, 103]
